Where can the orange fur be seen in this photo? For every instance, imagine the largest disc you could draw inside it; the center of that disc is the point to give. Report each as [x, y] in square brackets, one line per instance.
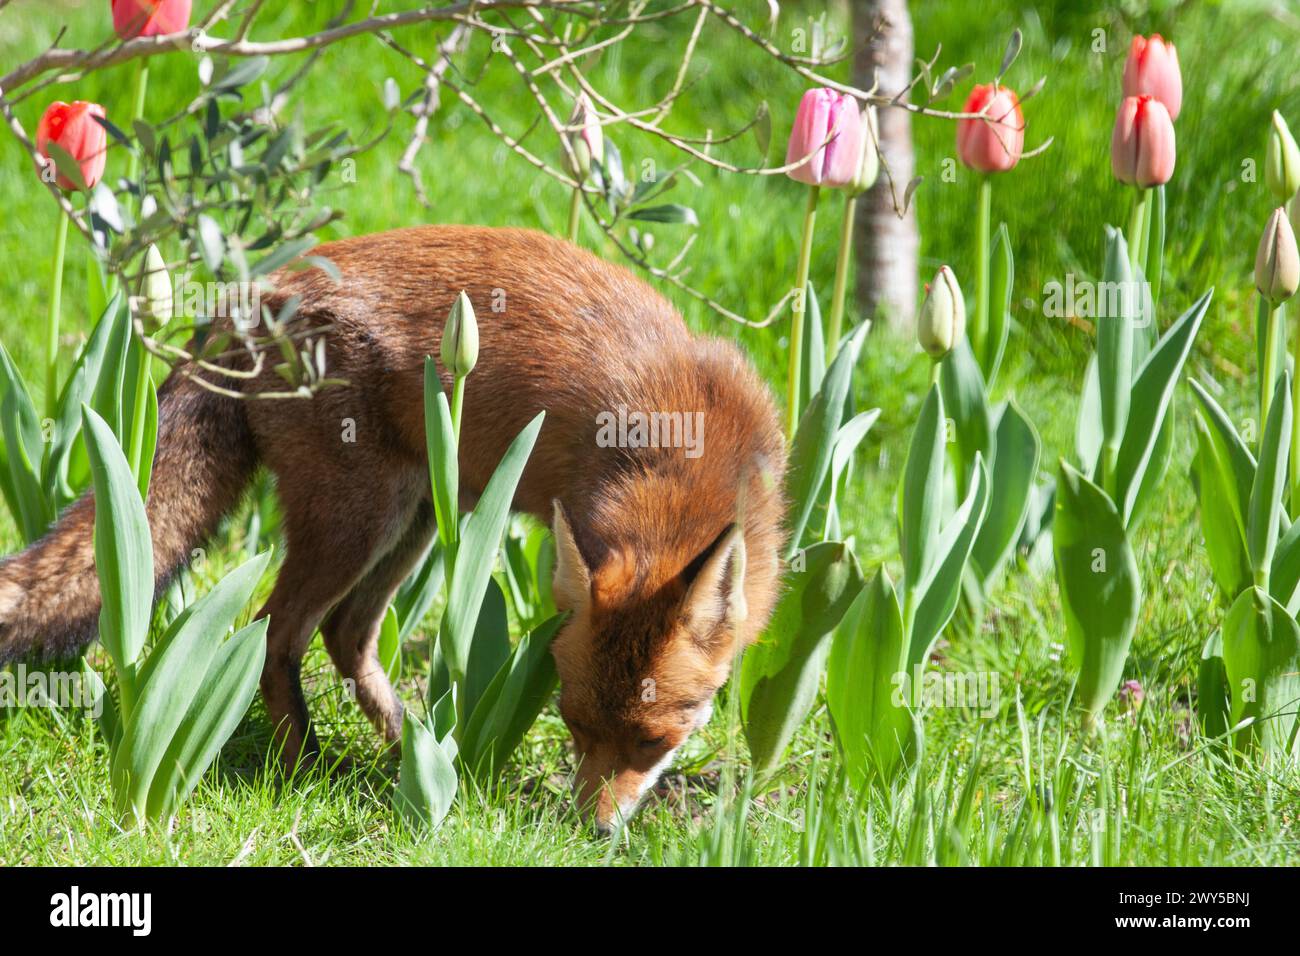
[560, 331]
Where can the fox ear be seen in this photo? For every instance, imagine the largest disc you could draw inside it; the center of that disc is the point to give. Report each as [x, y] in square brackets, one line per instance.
[572, 582]
[716, 593]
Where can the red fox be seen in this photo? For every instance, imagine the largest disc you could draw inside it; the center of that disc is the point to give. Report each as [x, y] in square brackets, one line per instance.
[662, 584]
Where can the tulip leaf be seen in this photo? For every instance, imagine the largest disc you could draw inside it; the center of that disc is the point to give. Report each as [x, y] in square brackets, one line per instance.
[1153, 391]
[1261, 657]
[390, 646]
[937, 596]
[444, 472]
[966, 404]
[814, 441]
[1116, 314]
[779, 675]
[1100, 588]
[1265, 515]
[1213, 703]
[123, 546]
[922, 492]
[427, 784]
[510, 703]
[1002, 272]
[866, 678]
[813, 356]
[1011, 482]
[1222, 515]
[477, 552]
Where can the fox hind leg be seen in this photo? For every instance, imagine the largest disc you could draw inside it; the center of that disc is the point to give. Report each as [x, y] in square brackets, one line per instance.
[331, 548]
[351, 630]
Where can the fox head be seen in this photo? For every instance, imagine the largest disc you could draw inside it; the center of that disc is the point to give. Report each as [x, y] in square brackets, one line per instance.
[640, 658]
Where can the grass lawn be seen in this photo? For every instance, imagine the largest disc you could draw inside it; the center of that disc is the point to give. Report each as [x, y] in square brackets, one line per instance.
[1013, 787]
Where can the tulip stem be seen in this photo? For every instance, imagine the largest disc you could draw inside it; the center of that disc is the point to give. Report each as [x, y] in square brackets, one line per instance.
[1271, 333]
[1137, 230]
[457, 403]
[841, 276]
[575, 207]
[800, 308]
[137, 112]
[52, 327]
[983, 224]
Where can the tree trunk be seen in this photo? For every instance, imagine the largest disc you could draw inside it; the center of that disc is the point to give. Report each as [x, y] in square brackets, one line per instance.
[886, 244]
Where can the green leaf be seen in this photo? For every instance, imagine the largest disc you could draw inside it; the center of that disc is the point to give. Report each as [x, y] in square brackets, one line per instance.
[221, 699]
[814, 441]
[937, 594]
[21, 436]
[674, 213]
[1011, 483]
[489, 649]
[1100, 589]
[865, 680]
[478, 549]
[922, 506]
[965, 402]
[1213, 704]
[1265, 515]
[390, 646]
[1116, 312]
[426, 787]
[814, 350]
[1002, 272]
[1087, 427]
[511, 702]
[779, 674]
[418, 592]
[1153, 391]
[1261, 657]
[444, 469]
[172, 680]
[1222, 516]
[123, 547]
[847, 440]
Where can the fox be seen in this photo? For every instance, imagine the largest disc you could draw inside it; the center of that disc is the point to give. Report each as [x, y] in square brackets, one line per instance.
[667, 559]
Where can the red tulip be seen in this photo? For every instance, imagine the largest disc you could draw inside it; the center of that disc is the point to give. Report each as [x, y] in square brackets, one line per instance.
[148, 18]
[996, 144]
[73, 127]
[835, 163]
[1152, 70]
[1142, 146]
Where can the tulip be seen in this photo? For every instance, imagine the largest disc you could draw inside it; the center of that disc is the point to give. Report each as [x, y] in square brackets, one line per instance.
[588, 144]
[155, 288]
[990, 145]
[1277, 274]
[1282, 164]
[1277, 264]
[1152, 70]
[1142, 148]
[995, 144]
[828, 128]
[459, 351]
[73, 128]
[942, 322]
[147, 18]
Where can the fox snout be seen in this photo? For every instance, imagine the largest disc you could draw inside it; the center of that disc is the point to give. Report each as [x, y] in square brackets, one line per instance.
[608, 790]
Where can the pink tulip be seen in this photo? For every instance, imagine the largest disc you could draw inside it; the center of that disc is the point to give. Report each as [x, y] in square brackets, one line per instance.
[1152, 70]
[835, 163]
[72, 127]
[1142, 148]
[996, 144]
[148, 18]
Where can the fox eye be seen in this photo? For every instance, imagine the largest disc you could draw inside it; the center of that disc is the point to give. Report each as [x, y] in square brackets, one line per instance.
[652, 743]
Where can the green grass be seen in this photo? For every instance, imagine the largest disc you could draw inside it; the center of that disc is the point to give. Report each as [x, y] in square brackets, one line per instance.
[1017, 788]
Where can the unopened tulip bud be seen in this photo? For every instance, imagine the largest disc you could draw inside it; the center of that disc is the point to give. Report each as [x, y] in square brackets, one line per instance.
[460, 338]
[155, 289]
[1282, 164]
[1142, 148]
[588, 142]
[1277, 263]
[869, 166]
[942, 321]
